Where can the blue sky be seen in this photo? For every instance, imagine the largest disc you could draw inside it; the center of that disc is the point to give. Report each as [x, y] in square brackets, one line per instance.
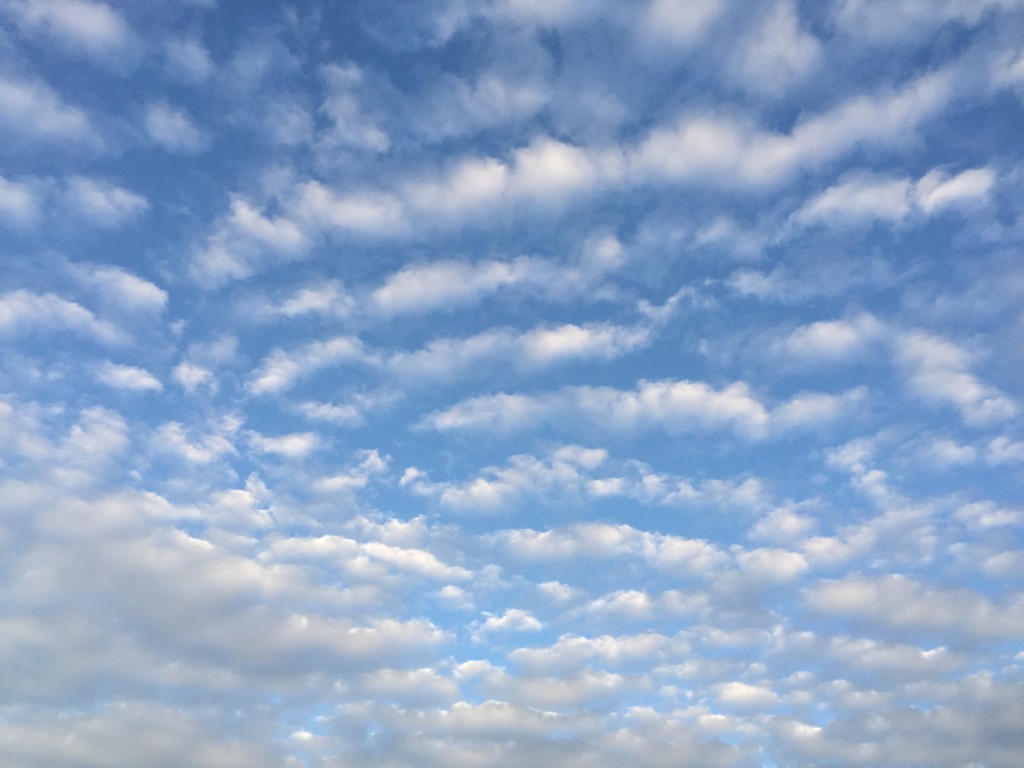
[511, 383]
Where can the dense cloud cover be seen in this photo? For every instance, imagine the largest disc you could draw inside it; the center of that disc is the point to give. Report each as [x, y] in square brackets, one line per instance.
[480, 383]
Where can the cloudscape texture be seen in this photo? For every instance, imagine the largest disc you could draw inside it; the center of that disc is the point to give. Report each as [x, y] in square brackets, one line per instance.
[469, 383]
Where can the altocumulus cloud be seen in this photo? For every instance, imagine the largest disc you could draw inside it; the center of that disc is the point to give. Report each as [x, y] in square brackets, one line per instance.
[509, 383]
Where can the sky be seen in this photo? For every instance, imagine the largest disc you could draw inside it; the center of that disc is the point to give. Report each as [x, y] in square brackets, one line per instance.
[511, 382]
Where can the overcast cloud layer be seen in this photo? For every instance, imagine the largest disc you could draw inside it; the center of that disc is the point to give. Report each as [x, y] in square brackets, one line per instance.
[476, 383]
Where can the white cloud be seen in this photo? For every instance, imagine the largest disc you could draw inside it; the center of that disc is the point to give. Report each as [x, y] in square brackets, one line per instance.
[881, 22]
[347, 415]
[903, 605]
[416, 561]
[772, 566]
[191, 377]
[171, 128]
[810, 410]
[420, 288]
[23, 311]
[674, 406]
[352, 126]
[327, 299]
[986, 514]
[187, 59]
[471, 185]
[678, 22]
[937, 190]
[368, 213]
[280, 369]
[538, 347]
[949, 453]
[1003, 450]
[33, 111]
[425, 287]
[730, 151]
[545, 172]
[103, 203]
[861, 197]
[777, 52]
[124, 734]
[496, 487]
[832, 340]
[128, 377]
[242, 241]
[746, 696]
[784, 525]
[858, 197]
[293, 446]
[603, 341]
[572, 473]
[174, 438]
[938, 370]
[459, 106]
[370, 464]
[122, 289]
[19, 203]
[512, 620]
[548, 170]
[93, 27]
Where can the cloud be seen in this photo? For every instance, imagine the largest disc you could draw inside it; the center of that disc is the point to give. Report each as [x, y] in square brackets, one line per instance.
[497, 487]
[128, 377]
[937, 190]
[103, 203]
[242, 242]
[187, 59]
[572, 474]
[98, 202]
[860, 197]
[370, 465]
[1004, 450]
[172, 129]
[121, 289]
[446, 283]
[678, 22]
[352, 127]
[33, 112]
[777, 52]
[536, 348]
[899, 604]
[834, 341]
[280, 369]
[326, 299]
[877, 22]
[672, 406]
[772, 566]
[19, 203]
[127, 733]
[710, 147]
[191, 377]
[512, 620]
[218, 441]
[293, 446]
[984, 515]
[949, 453]
[520, 382]
[23, 311]
[744, 696]
[729, 151]
[421, 288]
[937, 370]
[348, 414]
[92, 27]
